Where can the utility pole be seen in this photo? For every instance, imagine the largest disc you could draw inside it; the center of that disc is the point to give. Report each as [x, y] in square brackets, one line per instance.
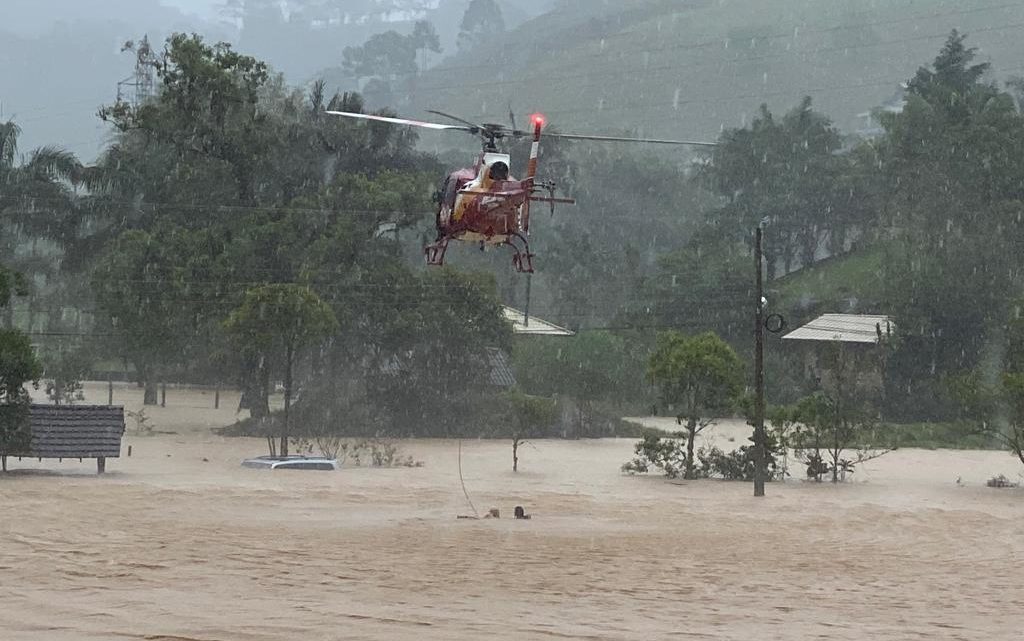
[759, 434]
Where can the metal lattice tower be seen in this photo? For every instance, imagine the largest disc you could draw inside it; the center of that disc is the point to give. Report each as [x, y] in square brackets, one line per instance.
[139, 87]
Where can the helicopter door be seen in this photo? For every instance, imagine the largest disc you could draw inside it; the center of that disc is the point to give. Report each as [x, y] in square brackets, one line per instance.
[446, 201]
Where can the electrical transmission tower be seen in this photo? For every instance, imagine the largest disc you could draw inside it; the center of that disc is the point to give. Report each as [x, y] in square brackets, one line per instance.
[139, 87]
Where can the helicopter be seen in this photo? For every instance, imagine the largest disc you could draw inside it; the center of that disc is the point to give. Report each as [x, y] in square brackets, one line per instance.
[484, 204]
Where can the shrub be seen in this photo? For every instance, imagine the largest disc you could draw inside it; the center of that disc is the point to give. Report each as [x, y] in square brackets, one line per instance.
[669, 456]
[373, 452]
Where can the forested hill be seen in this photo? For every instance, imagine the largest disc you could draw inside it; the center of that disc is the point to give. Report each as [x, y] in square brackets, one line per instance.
[691, 67]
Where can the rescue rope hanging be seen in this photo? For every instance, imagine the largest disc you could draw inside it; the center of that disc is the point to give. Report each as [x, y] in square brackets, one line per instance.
[463, 481]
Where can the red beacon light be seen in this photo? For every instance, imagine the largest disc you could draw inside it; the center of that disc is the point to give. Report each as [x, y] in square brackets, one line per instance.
[538, 119]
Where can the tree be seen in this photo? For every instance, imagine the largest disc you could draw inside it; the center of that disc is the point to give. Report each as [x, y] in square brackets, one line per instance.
[785, 170]
[18, 366]
[529, 417]
[703, 287]
[951, 167]
[434, 354]
[697, 376]
[841, 416]
[995, 408]
[481, 22]
[36, 206]
[207, 106]
[593, 368]
[142, 283]
[194, 161]
[12, 283]
[384, 56]
[64, 370]
[425, 38]
[277, 322]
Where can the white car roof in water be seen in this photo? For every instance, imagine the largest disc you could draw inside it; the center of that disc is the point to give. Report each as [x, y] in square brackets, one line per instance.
[291, 463]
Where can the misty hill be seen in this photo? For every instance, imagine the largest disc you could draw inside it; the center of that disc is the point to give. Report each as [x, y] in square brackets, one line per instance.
[688, 68]
[60, 59]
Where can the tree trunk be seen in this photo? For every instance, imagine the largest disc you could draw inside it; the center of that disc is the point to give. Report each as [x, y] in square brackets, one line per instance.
[835, 452]
[259, 403]
[515, 453]
[691, 435]
[147, 376]
[289, 357]
[3, 462]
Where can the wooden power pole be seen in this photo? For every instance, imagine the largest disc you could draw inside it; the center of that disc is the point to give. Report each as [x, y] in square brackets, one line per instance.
[759, 434]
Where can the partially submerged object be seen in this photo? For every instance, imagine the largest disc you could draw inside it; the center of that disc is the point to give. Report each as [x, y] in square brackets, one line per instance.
[295, 462]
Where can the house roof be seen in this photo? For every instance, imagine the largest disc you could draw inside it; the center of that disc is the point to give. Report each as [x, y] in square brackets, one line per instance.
[75, 431]
[532, 326]
[844, 328]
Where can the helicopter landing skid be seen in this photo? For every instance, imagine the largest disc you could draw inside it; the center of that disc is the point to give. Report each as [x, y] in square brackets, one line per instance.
[522, 258]
[435, 252]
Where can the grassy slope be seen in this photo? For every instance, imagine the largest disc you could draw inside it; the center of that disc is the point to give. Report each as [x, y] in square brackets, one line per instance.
[689, 68]
[832, 285]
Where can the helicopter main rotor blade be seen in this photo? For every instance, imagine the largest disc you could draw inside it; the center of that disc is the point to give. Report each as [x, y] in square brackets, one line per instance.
[403, 121]
[653, 141]
[455, 118]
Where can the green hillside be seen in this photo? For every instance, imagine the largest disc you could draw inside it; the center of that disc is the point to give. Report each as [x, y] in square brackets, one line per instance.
[688, 68]
[851, 282]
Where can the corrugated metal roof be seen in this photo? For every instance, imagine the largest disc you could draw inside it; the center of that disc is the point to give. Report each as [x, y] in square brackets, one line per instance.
[75, 431]
[534, 326]
[844, 328]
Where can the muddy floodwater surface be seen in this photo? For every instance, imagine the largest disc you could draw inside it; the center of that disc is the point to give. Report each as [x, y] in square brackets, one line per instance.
[180, 542]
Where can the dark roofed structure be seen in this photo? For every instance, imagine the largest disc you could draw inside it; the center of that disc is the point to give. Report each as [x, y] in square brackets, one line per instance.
[76, 431]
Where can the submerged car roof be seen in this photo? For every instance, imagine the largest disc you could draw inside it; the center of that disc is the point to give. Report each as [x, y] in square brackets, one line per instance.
[292, 462]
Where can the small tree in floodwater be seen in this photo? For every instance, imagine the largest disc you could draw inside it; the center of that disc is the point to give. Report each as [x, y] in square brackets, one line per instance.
[998, 408]
[529, 417]
[698, 376]
[834, 430]
[64, 371]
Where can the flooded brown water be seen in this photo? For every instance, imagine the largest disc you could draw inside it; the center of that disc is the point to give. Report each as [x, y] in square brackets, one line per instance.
[180, 543]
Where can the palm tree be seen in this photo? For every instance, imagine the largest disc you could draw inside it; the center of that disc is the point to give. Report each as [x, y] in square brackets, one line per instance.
[36, 204]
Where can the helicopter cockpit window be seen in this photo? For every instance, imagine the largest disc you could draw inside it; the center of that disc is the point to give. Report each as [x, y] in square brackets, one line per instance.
[499, 171]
